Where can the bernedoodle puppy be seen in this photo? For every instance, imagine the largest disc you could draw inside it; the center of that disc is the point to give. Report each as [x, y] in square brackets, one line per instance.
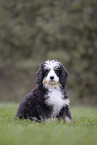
[49, 98]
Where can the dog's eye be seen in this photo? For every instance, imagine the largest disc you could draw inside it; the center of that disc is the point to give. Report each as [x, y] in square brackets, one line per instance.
[56, 69]
[47, 70]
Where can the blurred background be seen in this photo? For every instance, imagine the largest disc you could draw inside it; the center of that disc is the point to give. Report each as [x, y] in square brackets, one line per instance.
[34, 31]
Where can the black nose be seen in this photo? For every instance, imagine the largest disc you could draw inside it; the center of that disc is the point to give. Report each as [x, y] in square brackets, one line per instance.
[51, 77]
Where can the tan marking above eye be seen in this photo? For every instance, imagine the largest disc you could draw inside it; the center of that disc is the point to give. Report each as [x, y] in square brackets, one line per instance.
[48, 68]
[55, 69]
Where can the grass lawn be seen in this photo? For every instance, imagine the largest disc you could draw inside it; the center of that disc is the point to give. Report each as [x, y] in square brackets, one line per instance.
[15, 132]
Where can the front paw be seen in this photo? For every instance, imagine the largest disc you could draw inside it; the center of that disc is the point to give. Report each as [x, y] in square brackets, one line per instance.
[34, 119]
[67, 119]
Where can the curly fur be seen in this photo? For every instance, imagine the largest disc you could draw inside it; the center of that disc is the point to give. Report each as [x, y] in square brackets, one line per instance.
[49, 98]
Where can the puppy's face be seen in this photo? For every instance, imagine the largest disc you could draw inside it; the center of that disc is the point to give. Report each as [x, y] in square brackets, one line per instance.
[52, 73]
[51, 69]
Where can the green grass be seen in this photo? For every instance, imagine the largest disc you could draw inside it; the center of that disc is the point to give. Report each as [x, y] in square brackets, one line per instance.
[15, 132]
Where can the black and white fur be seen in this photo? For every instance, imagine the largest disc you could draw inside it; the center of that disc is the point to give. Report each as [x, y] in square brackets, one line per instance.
[49, 98]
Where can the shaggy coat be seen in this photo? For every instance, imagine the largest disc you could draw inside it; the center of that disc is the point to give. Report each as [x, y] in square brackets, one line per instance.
[49, 98]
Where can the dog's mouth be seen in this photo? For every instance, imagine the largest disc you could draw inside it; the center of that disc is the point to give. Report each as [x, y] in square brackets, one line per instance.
[50, 82]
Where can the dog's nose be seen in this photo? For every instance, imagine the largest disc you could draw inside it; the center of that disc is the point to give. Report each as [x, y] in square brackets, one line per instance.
[51, 77]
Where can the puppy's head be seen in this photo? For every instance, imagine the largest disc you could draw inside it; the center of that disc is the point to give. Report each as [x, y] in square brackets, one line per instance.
[52, 73]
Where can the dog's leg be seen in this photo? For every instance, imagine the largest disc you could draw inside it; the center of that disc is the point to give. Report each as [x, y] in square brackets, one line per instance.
[65, 114]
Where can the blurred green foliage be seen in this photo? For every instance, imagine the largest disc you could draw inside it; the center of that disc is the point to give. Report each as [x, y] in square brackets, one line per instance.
[37, 30]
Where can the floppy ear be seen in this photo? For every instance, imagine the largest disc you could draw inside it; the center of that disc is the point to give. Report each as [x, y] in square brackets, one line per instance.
[63, 76]
[39, 75]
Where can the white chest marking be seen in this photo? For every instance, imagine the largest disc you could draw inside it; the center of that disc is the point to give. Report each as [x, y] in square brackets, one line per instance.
[56, 99]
